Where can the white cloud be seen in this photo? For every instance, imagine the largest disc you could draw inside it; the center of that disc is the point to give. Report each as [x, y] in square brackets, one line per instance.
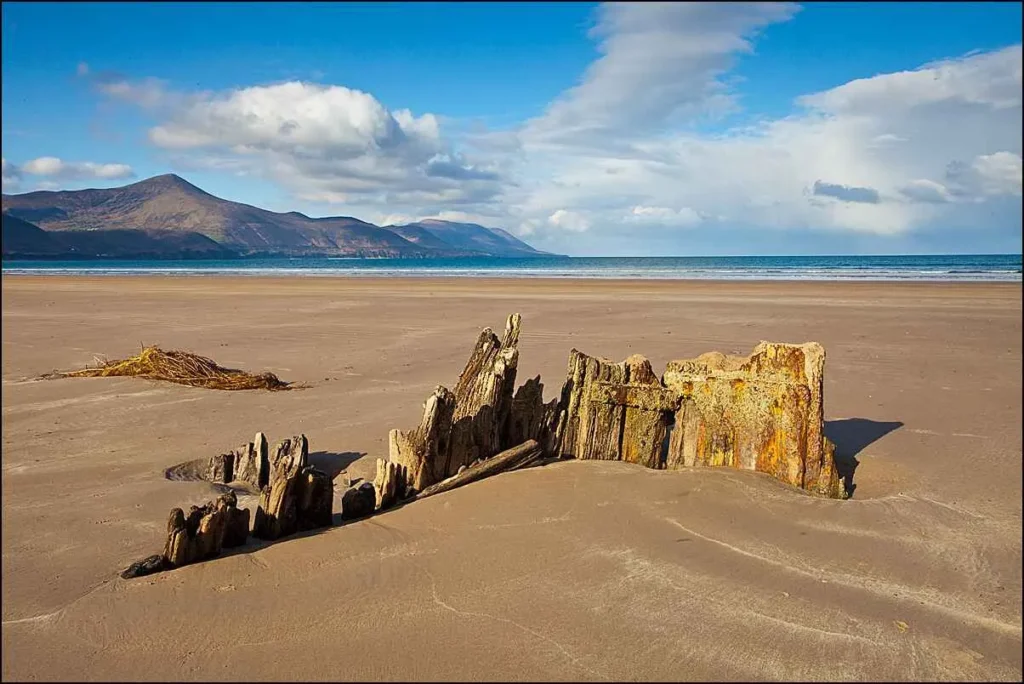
[394, 219]
[659, 61]
[989, 79]
[1000, 173]
[869, 157]
[56, 168]
[685, 217]
[328, 144]
[43, 166]
[384, 219]
[569, 220]
[928, 191]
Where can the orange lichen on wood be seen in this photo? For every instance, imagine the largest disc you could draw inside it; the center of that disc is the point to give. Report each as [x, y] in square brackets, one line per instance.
[770, 406]
[762, 412]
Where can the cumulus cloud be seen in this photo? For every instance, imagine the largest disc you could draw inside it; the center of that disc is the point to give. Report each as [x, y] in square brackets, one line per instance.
[924, 190]
[327, 143]
[571, 221]
[58, 169]
[999, 173]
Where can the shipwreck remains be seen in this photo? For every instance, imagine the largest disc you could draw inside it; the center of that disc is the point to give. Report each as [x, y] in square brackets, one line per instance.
[763, 412]
[293, 496]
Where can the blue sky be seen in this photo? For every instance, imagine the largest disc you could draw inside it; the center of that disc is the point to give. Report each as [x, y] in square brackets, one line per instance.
[588, 129]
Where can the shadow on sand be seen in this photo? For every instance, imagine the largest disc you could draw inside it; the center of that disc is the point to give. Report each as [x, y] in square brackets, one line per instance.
[851, 436]
[333, 463]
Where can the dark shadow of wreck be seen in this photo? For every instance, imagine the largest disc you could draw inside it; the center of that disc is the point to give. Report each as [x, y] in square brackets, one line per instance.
[851, 436]
[333, 463]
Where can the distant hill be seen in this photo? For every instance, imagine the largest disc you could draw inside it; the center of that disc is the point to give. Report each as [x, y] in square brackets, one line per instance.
[24, 240]
[470, 237]
[164, 205]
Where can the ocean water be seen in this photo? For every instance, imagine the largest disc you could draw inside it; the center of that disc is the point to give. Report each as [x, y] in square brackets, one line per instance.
[979, 267]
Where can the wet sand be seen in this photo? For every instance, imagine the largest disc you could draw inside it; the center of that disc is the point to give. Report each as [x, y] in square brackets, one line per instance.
[577, 570]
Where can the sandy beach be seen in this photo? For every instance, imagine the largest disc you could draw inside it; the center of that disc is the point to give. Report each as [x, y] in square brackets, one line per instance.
[575, 570]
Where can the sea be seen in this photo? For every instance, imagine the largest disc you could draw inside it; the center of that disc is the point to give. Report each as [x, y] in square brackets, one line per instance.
[959, 268]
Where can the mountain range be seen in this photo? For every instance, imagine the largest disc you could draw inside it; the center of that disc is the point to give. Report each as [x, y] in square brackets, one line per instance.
[168, 217]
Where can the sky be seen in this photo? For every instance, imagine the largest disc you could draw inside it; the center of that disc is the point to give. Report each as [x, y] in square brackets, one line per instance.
[634, 129]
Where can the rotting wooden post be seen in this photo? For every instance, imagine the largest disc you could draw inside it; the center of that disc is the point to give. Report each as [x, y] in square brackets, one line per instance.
[762, 412]
[422, 452]
[517, 457]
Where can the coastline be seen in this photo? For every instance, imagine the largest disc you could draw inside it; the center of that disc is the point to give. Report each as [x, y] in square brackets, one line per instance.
[879, 268]
[579, 570]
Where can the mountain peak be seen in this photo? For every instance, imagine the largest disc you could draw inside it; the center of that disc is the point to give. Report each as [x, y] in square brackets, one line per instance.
[168, 181]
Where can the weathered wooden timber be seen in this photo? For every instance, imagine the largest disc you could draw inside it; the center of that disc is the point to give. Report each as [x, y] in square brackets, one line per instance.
[297, 497]
[522, 456]
[763, 412]
[463, 426]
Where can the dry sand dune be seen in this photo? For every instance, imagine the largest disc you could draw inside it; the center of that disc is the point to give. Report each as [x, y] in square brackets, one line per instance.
[577, 570]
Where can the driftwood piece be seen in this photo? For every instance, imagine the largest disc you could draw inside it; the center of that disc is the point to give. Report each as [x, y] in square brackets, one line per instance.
[300, 501]
[423, 452]
[598, 429]
[290, 455]
[529, 417]
[275, 514]
[389, 483]
[297, 497]
[646, 419]
[483, 397]
[463, 426]
[203, 532]
[236, 530]
[252, 462]
[314, 499]
[762, 412]
[176, 550]
[221, 469]
[146, 566]
[358, 501]
[517, 457]
[248, 463]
